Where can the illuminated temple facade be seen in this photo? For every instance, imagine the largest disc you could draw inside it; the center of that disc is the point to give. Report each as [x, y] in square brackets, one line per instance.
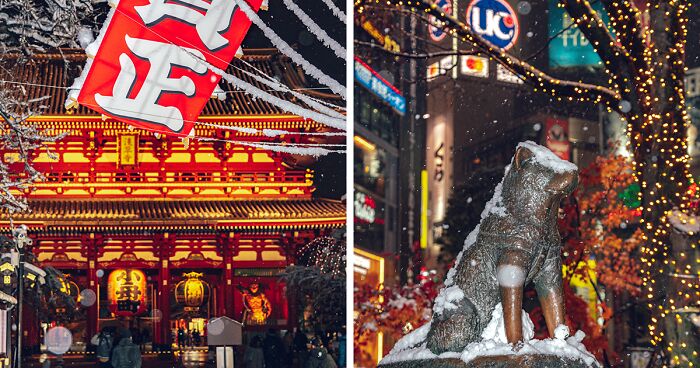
[202, 221]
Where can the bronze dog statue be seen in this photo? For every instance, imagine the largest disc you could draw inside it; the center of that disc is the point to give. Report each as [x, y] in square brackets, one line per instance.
[516, 243]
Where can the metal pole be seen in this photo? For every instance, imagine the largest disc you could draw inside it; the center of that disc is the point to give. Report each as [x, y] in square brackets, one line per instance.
[20, 294]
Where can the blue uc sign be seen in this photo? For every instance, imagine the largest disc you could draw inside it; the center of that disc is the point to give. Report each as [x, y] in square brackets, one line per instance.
[436, 32]
[495, 21]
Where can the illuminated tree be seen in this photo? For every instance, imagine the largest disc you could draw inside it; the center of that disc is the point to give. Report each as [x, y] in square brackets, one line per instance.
[391, 310]
[644, 59]
[318, 281]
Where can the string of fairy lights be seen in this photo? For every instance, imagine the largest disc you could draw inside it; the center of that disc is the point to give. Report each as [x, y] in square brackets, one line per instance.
[646, 88]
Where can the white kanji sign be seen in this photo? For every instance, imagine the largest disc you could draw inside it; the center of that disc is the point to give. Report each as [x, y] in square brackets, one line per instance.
[215, 19]
[155, 63]
[144, 106]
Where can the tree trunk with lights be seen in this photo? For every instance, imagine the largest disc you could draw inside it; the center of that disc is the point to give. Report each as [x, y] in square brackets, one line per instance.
[645, 62]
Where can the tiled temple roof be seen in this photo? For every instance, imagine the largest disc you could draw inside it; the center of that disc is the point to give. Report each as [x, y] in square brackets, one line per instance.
[63, 215]
[51, 74]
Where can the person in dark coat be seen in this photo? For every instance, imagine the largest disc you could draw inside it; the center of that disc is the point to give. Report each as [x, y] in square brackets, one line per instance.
[103, 342]
[254, 356]
[126, 354]
[319, 357]
[273, 348]
[301, 350]
[342, 350]
[180, 338]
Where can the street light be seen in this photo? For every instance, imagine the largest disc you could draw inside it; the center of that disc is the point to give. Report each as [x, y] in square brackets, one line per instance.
[14, 271]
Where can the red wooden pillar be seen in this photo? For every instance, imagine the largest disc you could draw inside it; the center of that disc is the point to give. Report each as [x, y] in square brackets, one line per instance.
[228, 244]
[92, 245]
[92, 312]
[164, 302]
[161, 330]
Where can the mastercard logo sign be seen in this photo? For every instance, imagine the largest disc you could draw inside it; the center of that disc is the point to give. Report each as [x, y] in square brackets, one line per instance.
[474, 66]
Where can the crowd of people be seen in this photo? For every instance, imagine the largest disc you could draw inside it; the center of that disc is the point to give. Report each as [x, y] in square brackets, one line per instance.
[122, 348]
[117, 348]
[188, 338]
[294, 350]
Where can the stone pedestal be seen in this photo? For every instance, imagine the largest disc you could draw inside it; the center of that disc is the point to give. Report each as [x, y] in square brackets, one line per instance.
[497, 361]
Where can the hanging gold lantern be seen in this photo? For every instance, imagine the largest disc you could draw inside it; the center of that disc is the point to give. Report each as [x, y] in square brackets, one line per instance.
[192, 292]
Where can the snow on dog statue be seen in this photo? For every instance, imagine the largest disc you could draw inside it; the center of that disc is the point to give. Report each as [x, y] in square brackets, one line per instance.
[516, 243]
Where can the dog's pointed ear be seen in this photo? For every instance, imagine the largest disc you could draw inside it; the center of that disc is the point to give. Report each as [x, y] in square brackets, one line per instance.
[521, 155]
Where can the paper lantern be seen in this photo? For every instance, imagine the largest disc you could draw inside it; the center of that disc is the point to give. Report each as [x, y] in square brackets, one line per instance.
[192, 292]
[126, 291]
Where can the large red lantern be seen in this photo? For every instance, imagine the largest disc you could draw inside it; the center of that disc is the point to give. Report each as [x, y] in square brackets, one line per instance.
[126, 292]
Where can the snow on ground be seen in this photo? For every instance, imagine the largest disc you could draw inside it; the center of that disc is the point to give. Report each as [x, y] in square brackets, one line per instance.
[685, 223]
[494, 342]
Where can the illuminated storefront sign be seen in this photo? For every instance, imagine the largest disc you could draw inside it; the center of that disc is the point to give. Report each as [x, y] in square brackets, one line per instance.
[436, 29]
[583, 286]
[475, 66]
[433, 71]
[495, 21]
[365, 208]
[383, 39]
[505, 75]
[371, 80]
[369, 270]
[424, 209]
[126, 291]
[441, 67]
[148, 68]
[568, 46]
[557, 139]
[692, 89]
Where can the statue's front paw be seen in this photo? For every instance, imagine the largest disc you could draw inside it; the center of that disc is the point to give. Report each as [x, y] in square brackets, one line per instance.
[561, 332]
[518, 345]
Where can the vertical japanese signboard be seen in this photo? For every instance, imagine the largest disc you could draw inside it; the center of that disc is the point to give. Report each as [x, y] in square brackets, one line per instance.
[151, 68]
[557, 139]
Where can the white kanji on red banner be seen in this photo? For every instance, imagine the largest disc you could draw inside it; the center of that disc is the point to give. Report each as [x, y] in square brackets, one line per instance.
[162, 57]
[215, 20]
[157, 62]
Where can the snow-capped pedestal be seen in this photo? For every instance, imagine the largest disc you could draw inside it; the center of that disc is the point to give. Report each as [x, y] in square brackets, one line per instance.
[562, 351]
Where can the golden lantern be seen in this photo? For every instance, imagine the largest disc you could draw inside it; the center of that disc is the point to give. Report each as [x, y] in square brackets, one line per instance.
[192, 292]
[126, 292]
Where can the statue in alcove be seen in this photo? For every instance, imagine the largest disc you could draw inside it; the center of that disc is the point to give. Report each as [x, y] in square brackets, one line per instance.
[257, 306]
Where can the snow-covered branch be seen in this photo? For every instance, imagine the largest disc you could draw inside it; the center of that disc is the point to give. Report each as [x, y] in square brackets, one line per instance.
[19, 141]
[30, 27]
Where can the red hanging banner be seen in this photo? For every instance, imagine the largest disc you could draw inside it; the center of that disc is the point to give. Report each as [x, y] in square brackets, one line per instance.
[149, 71]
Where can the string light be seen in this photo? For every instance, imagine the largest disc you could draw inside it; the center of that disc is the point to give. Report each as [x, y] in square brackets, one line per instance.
[646, 87]
[326, 253]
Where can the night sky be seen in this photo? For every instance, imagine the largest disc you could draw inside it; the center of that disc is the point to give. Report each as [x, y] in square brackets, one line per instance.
[330, 170]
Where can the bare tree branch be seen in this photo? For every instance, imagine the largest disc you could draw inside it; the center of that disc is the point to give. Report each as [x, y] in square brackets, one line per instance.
[426, 55]
[530, 74]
